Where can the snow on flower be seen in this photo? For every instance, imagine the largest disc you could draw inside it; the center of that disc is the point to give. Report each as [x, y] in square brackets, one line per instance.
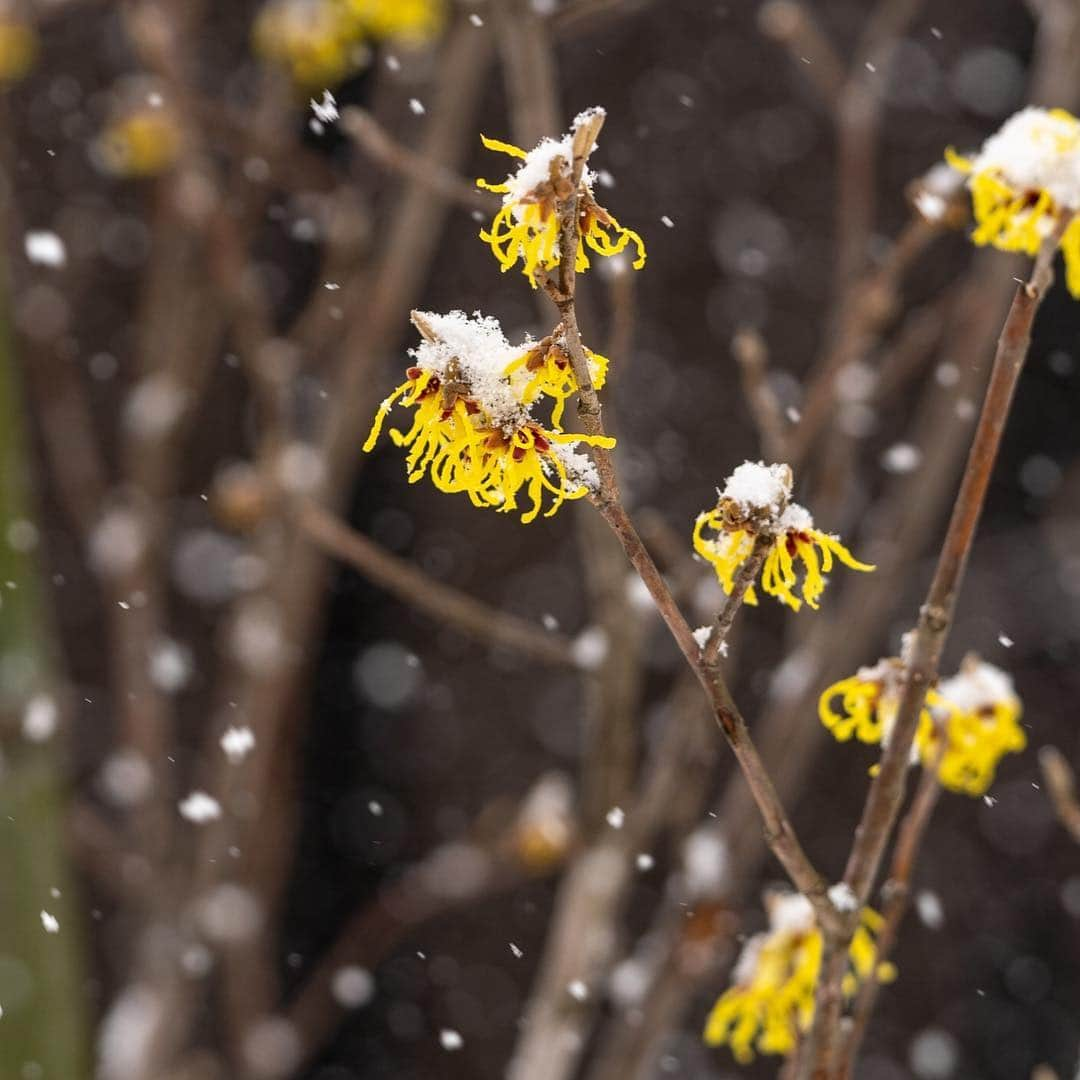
[976, 713]
[754, 506]
[472, 432]
[526, 228]
[1023, 180]
[771, 999]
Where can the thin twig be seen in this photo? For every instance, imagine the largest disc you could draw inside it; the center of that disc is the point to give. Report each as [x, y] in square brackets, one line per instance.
[923, 652]
[779, 831]
[897, 892]
[1061, 784]
[379, 144]
[752, 355]
[442, 602]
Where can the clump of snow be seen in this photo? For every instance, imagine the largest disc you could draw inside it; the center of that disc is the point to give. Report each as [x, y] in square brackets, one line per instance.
[756, 487]
[40, 718]
[45, 248]
[125, 1043]
[126, 778]
[272, 1048]
[842, 898]
[155, 405]
[580, 468]
[200, 808]
[50, 923]
[978, 685]
[616, 816]
[456, 870]
[353, 986]
[629, 982]
[743, 971]
[644, 862]
[326, 111]
[795, 518]
[1037, 149]
[929, 908]
[901, 458]
[481, 354]
[578, 990]
[702, 635]
[789, 912]
[229, 913]
[237, 742]
[170, 665]
[705, 862]
[590, 648]
[449, 1039]
[931, 206]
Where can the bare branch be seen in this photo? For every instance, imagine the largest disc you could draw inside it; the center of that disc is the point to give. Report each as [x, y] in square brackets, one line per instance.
[442, 602]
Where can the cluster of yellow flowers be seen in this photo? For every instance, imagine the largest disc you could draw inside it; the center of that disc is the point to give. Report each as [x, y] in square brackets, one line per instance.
[473, 430]
[968, 724]
[771, 999]
[526, 228]
[321, 42]
[18, 48]
[755, 506]
[1023, 180]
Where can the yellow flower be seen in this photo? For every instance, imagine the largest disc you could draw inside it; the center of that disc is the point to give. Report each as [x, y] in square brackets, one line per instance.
[18, 49]
[753, 504]
[976, 712]
[411, 20]
[548, 371]
[526, 228]
[984, 726]
[1024, 178]
[144, 142]
[771, 1001]
[472, 433]
[317, 41]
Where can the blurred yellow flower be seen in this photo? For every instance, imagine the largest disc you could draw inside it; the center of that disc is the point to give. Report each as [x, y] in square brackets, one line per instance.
[771, 1000]
[1025, 177]
[976, 713]
[754, 504]
[18, 49]
[317, 41]
[526, 228]
[144, 142]
[409, 20]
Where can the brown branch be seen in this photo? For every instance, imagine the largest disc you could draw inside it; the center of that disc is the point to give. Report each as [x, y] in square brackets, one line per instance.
[442, 602]
[380, 145]
[779, 831]
[923, 653]
[752, 355]
[897, 893]
[1061, 784]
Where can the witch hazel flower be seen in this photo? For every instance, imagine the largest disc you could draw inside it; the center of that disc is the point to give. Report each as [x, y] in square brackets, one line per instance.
[771, 1000]
[546, 369]
[1024, 181]
[755, 505]
[968, 724]
[472, 431]
[526, 228]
